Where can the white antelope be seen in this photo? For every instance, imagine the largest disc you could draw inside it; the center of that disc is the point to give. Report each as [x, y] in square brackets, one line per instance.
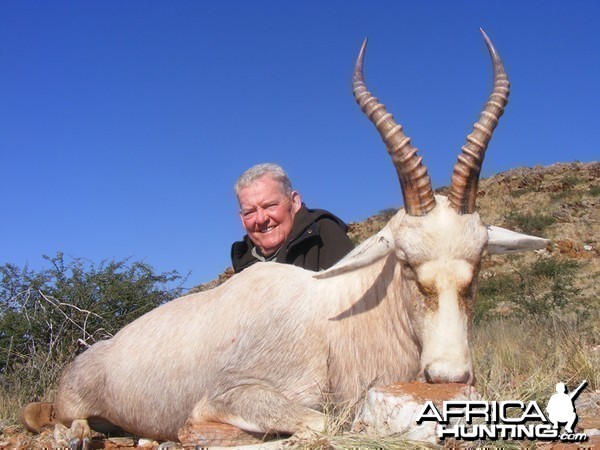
[262, 350]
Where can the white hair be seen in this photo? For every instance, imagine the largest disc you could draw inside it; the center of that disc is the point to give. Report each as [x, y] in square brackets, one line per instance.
[259, 171]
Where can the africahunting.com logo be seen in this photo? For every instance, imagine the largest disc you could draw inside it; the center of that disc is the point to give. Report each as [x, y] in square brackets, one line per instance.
[512, 419]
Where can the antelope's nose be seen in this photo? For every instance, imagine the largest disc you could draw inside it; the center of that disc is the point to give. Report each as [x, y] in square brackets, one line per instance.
[438, 375]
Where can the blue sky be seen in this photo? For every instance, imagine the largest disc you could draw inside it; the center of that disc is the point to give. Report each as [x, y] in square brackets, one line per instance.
[124, 124]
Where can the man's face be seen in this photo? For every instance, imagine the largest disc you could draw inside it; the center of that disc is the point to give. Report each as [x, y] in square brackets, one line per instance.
[267, 213]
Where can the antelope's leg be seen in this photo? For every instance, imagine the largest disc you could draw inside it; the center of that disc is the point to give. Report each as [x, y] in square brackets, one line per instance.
[259, 409]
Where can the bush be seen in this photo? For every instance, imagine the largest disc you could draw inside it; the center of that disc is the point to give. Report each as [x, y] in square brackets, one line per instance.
[529, 223]
[538, 289]
[388, 213]
[570, 181]
[46, 317]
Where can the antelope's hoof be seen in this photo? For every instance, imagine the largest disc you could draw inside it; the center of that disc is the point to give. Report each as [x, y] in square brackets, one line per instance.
[80, 444]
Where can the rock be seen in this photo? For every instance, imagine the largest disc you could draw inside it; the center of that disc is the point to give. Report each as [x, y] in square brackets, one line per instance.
[148, 443]
[212, 434]
[394, 409]
[118, 442]
[573, 249]
[170, 445]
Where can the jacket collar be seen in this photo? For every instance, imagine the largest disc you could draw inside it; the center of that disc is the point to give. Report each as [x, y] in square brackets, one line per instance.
[304, 227]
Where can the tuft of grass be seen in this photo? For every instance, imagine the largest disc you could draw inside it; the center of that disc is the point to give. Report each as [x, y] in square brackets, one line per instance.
[337, 434]
[529, 223]
[569, 181]
[566, 196]
[35, 380]
[348, 440]
[516, 193]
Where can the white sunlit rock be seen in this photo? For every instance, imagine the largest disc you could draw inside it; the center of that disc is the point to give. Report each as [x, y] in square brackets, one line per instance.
[395, 408]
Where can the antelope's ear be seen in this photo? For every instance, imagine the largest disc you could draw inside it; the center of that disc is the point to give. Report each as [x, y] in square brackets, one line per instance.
[501, 240]
[373, 249]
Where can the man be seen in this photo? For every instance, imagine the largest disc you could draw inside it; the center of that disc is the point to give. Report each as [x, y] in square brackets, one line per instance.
[280, 228]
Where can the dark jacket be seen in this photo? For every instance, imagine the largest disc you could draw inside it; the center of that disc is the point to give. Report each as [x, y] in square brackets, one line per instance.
[317, 241]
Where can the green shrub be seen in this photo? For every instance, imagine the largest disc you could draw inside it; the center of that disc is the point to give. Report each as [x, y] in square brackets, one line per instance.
[47, 316]
[538, 289]
[570, 181]
[529, 223]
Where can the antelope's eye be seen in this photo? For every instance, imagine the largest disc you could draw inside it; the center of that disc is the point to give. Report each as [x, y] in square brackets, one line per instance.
[465, 290]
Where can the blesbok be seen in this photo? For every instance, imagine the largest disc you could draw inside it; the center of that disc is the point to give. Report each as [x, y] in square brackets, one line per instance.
[262, 350]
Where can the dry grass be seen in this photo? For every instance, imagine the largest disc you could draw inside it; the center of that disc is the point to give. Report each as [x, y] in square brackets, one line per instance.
[524, 359]
[360, 441]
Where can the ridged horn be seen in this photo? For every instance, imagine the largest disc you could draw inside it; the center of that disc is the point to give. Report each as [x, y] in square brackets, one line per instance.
[414, 181]
[465, 177]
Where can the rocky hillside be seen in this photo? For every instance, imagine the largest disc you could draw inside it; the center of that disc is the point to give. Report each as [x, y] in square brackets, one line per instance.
[560, 202]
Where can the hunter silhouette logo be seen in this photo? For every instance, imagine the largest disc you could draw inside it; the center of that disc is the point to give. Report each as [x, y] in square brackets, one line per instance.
[511, 419]
[561, 406]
